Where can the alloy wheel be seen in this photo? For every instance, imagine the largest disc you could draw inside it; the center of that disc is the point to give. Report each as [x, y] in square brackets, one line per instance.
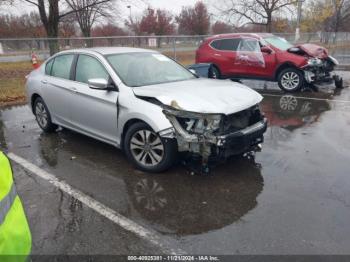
[147, 148]
[41, 114]
[288, 103]
[290, 80]
[150, 194]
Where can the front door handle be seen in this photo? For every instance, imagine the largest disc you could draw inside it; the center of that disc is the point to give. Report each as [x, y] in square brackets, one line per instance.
[44, 82]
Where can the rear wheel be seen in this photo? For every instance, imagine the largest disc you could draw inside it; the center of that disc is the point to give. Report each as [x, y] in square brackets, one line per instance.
[147, 151]
[291, 80]
[214, 72]
[43, 116]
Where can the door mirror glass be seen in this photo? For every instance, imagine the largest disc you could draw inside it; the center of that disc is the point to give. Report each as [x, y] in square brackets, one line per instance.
[266, 49]
[98, 83]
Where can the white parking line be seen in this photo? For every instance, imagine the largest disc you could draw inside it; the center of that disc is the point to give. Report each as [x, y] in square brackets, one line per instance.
[309, 98]
[120, 220]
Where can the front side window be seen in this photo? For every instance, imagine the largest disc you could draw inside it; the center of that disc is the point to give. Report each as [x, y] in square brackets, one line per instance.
[48, 67]
[249, 45]
[142, 69]
[89, 68]
[62, 66]
[249, 53]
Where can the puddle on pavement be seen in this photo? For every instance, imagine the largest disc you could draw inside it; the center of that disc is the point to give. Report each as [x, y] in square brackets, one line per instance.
[176, 203]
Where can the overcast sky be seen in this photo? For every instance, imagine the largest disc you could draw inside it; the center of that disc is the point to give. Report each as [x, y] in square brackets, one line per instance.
[173, 6]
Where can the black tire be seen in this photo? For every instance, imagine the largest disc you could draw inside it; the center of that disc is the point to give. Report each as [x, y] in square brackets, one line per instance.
[214, 72]
[152, 159]
[39, 110]
[290, 80]
[338, 81]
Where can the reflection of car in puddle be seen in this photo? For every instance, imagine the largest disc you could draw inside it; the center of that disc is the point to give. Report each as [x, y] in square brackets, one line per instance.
[291, 112]
[49, 146]
[200, 204]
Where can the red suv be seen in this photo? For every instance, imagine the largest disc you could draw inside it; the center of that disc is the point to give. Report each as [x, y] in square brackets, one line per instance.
[268, 57]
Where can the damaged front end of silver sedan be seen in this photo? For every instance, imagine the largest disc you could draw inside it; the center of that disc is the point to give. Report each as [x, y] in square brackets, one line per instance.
[215, 136]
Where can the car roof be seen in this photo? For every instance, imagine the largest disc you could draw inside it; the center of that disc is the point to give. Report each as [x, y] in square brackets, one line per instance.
[253, 35]
[110, 50]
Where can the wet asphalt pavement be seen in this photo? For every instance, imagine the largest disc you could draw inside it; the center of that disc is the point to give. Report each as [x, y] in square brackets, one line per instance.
[291, 198]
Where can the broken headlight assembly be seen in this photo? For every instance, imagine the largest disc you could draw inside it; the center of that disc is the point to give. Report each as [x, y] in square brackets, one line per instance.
[334, 61]
[200, 124]
[194, 127]
[315, 62]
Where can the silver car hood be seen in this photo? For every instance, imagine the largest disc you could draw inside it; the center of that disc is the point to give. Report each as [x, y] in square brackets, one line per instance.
[203, 95]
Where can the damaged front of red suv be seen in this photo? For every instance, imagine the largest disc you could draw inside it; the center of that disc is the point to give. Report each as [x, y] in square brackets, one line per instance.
[319, 65]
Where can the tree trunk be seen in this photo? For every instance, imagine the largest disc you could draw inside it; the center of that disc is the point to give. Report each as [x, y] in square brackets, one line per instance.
[52, 33]
[269, 23]
[159, 42]
[87, 33]
[50, 23]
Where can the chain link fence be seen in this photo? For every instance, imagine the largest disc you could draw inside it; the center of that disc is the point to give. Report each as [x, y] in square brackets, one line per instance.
[181, 48]
[178, 47]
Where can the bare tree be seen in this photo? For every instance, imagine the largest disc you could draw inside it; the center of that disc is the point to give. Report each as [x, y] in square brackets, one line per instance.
[51, 14]
[341, 15]
[133, 24]
[88, 12]
[258, 12]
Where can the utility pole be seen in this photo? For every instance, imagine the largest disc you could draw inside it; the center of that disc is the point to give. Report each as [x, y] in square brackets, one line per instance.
[129, 7]
[130, 18]
[297, 30]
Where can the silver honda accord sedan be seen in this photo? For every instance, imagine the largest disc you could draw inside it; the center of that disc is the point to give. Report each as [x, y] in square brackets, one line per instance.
[145, 104]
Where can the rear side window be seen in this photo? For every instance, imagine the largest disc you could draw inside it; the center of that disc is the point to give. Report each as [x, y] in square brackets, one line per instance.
[89, 68]
[226, 44]
[62, 66]
[48, 67]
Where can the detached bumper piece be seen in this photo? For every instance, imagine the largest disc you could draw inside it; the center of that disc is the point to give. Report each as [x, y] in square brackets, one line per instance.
[321, 72]
[244, 140]
[236, 134]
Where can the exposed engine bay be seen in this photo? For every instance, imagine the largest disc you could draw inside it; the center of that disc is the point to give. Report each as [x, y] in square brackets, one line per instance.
[217, 136]
[320, 65]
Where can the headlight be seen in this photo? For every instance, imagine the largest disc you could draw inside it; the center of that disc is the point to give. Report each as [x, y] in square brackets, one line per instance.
[335, 61]
[314, 62]
[192, 122]
[201, 124]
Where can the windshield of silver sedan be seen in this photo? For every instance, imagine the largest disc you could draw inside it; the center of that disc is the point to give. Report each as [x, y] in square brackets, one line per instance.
[142, 69]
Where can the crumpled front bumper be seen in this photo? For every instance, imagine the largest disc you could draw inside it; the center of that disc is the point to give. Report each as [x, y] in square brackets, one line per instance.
[209, 144]
[243, 140]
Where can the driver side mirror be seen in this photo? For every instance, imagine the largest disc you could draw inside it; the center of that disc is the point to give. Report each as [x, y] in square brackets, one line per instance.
[266, 49]
[101, 84]
[193, 72]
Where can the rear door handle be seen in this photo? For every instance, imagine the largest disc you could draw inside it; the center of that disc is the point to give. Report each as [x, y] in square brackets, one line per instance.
[44, 82]
[74, 89]
[217, 54]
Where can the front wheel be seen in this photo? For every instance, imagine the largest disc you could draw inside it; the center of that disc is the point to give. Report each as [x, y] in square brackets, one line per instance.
[291, 80]
[147, 151]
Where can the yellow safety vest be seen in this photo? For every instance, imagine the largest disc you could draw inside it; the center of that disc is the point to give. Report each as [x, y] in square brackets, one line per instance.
[15, 237]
